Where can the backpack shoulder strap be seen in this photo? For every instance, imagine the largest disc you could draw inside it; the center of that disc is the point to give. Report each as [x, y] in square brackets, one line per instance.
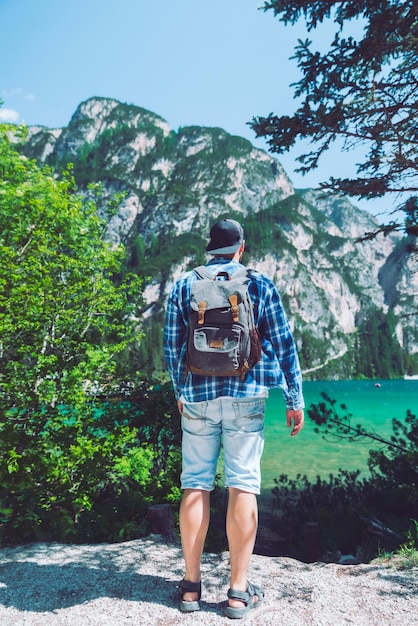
[241, 273]
[244, 272]
[202, 272]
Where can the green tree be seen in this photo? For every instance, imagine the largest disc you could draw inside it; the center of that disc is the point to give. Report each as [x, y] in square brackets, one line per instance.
[362, 92]
[63, 321]
[377, 350]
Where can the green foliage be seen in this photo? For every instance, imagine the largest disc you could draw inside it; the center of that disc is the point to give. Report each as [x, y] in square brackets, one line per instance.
[406, 556]
[203, 153]
[94, 160]
[358, 92]
[151, 409]
[398, 463]
[58, 299]
[346, 508]
[93, 163]
[164, 250]
[64, 322]
[264, 229]
[377, 350]
[149, 357]
[146, 120]
[410, 548]
[338, 505]
[219, 144]
[311, 350]
[147, 472]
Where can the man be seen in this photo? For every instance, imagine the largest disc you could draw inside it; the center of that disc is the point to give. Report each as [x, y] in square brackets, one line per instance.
[231, 409]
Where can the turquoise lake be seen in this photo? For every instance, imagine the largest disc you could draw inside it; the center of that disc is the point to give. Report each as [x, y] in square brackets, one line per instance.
[308, 453]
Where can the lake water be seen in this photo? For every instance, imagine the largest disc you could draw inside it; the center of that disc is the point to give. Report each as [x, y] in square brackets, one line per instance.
[308, 453]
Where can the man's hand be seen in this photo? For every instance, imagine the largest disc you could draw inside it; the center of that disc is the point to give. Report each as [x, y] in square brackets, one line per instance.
[180, 406]
[295, 418]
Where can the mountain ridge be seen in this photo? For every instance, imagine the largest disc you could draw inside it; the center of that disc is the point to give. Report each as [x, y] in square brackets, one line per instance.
[177, 183]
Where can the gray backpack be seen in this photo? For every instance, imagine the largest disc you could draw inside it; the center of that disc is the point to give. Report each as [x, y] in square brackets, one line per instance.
[222, 337]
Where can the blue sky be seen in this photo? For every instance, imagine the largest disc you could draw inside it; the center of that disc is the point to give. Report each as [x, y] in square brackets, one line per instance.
[203, 62]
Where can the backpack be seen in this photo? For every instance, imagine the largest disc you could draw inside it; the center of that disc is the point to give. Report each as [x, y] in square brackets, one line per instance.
[222, 337]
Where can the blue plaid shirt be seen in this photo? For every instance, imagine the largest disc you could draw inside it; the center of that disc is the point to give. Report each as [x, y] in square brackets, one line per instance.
[279, 365]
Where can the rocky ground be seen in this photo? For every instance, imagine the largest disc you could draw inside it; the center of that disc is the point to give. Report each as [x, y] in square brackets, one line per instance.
[135, 583]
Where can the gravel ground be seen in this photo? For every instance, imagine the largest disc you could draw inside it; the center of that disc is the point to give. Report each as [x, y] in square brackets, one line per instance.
[134, 583]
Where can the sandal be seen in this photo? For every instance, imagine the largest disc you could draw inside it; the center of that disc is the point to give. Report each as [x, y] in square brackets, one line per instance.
[247, 597]
[193, 605]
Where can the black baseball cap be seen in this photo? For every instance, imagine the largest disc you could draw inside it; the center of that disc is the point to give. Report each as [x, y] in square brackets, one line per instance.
[226, 237]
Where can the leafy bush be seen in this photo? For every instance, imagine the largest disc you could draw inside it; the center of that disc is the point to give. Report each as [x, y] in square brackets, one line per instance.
[335, 505]
[65, 455]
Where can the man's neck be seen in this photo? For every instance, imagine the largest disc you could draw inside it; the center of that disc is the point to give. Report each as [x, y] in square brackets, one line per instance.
[224, 259]
[229, 257]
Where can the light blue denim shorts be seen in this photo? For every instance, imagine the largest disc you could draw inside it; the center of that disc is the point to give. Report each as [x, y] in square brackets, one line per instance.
[235, 423]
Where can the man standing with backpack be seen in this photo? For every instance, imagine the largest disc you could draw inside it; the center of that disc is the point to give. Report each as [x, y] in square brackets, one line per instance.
[223, 358]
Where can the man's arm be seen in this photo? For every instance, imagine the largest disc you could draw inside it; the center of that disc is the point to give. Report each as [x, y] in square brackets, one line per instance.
[276, 329]
[175, 332]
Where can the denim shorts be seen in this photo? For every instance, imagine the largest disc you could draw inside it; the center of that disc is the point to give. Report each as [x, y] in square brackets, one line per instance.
[235, 423]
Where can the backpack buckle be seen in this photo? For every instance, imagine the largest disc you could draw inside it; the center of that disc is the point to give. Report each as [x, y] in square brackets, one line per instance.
[201, 312]
[233, 300]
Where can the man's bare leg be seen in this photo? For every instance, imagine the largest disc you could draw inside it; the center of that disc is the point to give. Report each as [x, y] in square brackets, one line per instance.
[241, 529]
[194, 523]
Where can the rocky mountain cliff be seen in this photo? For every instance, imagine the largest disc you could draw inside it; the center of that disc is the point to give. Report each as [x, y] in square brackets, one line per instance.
[352, 305]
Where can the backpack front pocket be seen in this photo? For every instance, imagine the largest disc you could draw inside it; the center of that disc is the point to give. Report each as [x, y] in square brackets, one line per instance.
[218, 348]
[209, 339]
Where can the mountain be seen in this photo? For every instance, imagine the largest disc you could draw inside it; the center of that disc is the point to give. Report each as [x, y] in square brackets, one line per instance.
[352, 305]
